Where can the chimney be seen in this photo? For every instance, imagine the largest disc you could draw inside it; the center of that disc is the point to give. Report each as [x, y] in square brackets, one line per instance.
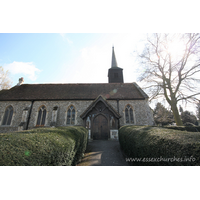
[21, 80]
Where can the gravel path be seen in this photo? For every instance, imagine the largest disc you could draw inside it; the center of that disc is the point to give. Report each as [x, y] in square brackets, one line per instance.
[103, 153]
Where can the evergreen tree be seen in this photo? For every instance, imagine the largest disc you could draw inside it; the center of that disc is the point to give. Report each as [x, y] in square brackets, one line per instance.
[162, 115]
[188, 118]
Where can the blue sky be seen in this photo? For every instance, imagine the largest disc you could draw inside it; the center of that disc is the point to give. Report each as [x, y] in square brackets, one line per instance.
[67, 58]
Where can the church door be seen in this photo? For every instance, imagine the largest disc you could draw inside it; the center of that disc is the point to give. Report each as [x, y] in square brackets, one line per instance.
[100, 128]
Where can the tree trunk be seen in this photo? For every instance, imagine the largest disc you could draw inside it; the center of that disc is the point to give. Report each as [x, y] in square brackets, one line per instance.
[176, 114]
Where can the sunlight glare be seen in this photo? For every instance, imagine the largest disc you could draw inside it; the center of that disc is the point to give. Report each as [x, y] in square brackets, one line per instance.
[176, 48]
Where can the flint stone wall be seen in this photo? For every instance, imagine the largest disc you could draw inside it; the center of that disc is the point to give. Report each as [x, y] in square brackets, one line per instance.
[18, 107]
[80, 107]
[141, 110]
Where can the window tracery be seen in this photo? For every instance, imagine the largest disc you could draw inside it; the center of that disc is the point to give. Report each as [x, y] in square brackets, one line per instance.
[41, 116]
[71, 115]
[129, 115]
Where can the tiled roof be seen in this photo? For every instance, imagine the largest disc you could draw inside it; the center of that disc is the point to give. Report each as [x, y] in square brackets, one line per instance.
[82, 91]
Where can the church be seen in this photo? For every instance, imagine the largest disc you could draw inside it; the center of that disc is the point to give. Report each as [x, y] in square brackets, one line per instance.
[102, 108]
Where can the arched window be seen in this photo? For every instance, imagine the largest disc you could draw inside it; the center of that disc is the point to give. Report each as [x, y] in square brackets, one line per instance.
[71, 115]
[41, 116]
[129, 115]
[8, 116]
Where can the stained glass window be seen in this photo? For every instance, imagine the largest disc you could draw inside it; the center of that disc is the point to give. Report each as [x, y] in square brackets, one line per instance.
[8, 116]
[129, 115]
[41, 116]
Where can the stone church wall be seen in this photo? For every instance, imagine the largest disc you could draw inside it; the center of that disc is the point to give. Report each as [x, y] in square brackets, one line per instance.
[18, 107]
[141, 109]
[80, 107]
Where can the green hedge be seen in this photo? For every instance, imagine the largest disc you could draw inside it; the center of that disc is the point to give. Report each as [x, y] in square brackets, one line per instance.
[146, 145]
[185, 128]
[43, 146]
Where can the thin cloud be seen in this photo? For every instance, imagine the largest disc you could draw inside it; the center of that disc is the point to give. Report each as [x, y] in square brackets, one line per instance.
[65, 38]
[24, 68]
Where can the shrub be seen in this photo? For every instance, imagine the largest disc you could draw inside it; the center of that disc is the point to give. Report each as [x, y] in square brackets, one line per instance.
[185, 128]
[188, 124]
[43, 146]
[159, 146]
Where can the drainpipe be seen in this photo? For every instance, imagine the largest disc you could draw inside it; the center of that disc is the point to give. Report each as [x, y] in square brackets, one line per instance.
[118, 112]
[29, 115]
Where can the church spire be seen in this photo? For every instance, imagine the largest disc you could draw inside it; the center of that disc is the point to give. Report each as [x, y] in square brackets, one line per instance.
[114, 61]
[115, 74]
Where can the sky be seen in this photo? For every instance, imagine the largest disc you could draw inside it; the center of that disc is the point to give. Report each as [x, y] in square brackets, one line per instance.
[47, 42]
[71, 57]
[67, 58]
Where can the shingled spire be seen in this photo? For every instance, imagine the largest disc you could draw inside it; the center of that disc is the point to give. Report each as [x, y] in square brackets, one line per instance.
[114, 61]
[115, 74]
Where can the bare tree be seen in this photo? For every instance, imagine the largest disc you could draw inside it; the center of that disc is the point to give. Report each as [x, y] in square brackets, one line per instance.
[5, 82]
[198, 110]
[171, 63]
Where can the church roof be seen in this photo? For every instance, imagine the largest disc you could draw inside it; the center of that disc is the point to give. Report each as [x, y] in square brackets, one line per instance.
[90, 91]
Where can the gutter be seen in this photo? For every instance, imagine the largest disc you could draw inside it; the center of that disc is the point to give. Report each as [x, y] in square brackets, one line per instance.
[77, 99]
[118, 112]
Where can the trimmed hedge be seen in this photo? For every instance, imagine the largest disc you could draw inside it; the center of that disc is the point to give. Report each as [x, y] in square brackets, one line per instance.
[146, 145]
[43, 146]
[185, 128]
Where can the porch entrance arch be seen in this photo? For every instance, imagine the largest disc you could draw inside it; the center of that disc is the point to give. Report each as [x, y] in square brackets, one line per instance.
[100, 118]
